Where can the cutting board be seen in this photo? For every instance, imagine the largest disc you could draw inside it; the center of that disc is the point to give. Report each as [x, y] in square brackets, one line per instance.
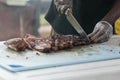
[29, 60]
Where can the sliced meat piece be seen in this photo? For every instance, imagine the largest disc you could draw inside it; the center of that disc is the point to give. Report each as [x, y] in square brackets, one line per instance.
[16, 44]
[42, 45]
[30, 41]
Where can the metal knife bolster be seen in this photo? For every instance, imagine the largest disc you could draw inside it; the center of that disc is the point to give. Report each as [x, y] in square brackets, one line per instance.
[76, 25]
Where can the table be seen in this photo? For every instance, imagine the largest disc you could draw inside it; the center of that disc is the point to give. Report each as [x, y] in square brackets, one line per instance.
[102, 70]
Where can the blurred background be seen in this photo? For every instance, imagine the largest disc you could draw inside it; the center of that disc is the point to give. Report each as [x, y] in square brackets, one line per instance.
[45, 28]
[20, 17]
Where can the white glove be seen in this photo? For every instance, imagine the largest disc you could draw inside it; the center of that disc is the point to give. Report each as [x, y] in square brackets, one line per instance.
[102, 32]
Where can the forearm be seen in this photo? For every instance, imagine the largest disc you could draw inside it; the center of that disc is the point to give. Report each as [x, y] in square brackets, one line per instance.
[113, 14]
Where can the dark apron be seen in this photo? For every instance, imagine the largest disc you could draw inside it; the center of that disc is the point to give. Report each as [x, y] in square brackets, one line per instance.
[87, 12]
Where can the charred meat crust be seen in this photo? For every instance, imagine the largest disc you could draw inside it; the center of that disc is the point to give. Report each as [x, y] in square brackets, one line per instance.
[16, 44]
[54, 43]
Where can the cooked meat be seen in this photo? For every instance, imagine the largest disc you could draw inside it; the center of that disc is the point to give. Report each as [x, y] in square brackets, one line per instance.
[55, 43]
[16, 44]
[42, 46]
[30, 41]
[61, 42]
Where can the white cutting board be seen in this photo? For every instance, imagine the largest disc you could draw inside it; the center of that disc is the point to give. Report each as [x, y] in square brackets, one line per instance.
[28, 60]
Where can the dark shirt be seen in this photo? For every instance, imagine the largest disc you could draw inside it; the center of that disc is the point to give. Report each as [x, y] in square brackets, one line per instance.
[87, 13]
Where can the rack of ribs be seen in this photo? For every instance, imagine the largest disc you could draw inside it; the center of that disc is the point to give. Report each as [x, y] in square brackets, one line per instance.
[45, 45]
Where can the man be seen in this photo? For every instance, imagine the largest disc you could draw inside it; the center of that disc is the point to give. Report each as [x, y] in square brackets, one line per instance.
[95, 16]
[16, 20]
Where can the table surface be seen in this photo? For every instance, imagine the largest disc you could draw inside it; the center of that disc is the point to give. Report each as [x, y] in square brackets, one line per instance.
[72, 71]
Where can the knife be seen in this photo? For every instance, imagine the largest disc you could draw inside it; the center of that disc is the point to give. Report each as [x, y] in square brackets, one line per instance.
[76, 25]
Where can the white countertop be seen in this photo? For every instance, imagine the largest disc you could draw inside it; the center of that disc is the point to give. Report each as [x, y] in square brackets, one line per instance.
[102, 70]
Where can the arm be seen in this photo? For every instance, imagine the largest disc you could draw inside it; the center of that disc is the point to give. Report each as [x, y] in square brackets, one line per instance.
[113, 14]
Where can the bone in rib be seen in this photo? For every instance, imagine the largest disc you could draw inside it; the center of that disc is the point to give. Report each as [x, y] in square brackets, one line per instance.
[54, 43]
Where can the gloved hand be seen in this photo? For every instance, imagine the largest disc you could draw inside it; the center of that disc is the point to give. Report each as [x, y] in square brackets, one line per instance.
[102, 32]
[63, 5]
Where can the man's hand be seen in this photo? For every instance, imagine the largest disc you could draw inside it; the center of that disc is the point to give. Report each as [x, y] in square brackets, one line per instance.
[102, 32]
[63, 5]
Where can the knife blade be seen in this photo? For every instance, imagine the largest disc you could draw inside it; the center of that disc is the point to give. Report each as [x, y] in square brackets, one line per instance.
[76, 26]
